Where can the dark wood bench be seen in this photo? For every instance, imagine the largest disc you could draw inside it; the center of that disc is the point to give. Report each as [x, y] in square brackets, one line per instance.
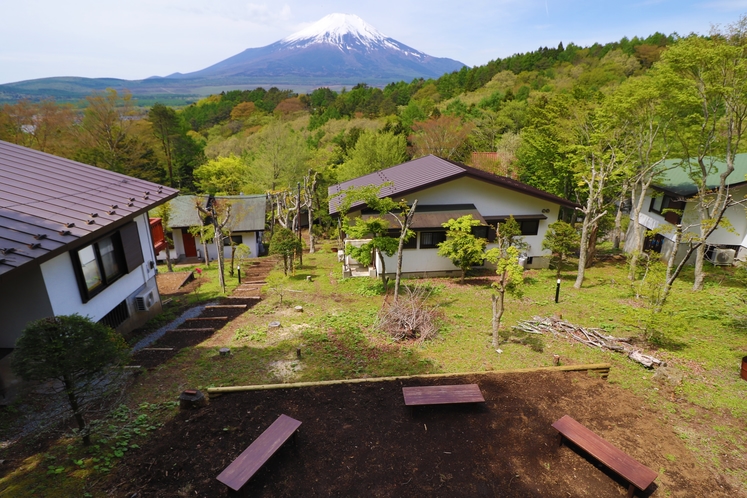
[442, 395]
[638, 475]
[251, 459]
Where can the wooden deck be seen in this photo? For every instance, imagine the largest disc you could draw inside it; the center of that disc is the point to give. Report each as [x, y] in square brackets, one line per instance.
[442, 395]
[638, 475]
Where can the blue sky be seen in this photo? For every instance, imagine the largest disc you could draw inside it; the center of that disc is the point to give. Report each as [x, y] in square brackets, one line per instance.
[135, 39]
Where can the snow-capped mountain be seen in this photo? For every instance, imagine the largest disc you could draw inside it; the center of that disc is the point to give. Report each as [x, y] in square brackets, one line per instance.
[338, 49]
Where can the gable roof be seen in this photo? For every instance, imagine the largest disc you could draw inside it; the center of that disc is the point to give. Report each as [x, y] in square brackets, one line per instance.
[49, 205]
[429, 171]
[247, 211]
[677, 180]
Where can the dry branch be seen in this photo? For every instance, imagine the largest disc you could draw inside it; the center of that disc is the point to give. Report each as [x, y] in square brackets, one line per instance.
[592, 337]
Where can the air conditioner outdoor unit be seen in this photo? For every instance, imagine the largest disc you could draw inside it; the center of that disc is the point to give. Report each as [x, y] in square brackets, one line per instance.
[723, 257]
[145, 300]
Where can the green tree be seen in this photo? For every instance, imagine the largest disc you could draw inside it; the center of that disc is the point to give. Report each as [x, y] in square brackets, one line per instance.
[224, 176]
[107, 132]
[376, 229]
[74, 351]
[166, 128]
[707, 91]
[510, 279]
[561, 239]
[285, 243]
[461, 246]
[373, 152]
[281, 158]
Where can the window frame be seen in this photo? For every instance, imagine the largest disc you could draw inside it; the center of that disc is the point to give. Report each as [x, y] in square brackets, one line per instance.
[437, 234]
[106, 278]
[126, 252]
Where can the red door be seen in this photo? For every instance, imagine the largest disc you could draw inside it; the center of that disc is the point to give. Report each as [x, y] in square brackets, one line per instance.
[190, 250]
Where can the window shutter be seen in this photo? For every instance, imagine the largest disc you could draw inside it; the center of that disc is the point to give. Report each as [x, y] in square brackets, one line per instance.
[133, 253]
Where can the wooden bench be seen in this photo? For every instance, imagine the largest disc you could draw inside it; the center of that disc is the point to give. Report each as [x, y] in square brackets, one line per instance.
[251, 459]
[638, 475]
[442, 395]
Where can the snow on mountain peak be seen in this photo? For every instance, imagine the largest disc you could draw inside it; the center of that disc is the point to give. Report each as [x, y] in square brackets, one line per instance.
[333, 28]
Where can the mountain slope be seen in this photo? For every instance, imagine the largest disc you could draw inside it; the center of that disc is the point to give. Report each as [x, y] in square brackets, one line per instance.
[339, 46]
[338, 50]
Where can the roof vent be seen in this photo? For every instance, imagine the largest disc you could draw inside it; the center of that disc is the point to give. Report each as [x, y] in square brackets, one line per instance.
[34, 245]
[64, 232]
[40, 236]
[90, 222]
[7, 250]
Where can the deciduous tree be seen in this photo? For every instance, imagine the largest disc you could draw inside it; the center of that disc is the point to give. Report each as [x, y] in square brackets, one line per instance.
[461, 246]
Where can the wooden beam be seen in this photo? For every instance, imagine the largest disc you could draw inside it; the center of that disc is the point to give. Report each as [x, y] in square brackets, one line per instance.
[595, 367]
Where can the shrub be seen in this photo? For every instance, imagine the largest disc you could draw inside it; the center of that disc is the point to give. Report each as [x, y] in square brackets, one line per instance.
[411, 317]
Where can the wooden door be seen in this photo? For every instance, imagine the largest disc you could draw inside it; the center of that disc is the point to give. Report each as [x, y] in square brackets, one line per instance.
[190, 250]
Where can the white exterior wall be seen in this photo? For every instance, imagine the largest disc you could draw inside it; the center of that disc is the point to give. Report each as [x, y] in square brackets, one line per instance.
[736, 215]
[62, 285]
[176, 235]
[491, 200]
[247, 238]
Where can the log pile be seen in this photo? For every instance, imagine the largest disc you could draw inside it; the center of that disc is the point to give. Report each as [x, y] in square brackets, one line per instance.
[592, 337]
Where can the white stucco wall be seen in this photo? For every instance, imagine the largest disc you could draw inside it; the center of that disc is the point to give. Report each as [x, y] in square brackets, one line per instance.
[491, 200]
[736, 215]
[62, 286]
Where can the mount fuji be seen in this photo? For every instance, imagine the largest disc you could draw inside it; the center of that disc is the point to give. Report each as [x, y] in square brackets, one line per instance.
[338, 49]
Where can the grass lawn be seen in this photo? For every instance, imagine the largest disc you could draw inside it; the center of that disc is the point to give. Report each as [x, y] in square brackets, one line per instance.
[702, 336]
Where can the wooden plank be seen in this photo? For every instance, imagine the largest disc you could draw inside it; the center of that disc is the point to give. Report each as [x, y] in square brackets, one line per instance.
[207, 329]
[251, 459]
[617, 460]
[226, 306]
[206, 318]
[442, 395]
[157, 349]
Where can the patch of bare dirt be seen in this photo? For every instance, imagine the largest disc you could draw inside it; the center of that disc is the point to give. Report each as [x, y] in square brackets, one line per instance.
[360, 440]
[172, 282]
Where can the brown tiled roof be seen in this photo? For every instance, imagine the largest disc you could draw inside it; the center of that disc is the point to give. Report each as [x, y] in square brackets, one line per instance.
[48, 204]
[429, 171]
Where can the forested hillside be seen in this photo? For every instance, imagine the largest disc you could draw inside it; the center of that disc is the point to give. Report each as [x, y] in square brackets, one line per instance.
[590, 124]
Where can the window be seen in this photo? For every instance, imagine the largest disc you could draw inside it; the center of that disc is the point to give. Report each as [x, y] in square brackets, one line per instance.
[411, 243]
[529, 227]
[100, 264]
[431, 239]
[236, 240]
[481, 232]
[664, 205]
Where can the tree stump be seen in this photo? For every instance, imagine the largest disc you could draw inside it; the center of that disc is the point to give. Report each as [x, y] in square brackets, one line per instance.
[191, 399]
